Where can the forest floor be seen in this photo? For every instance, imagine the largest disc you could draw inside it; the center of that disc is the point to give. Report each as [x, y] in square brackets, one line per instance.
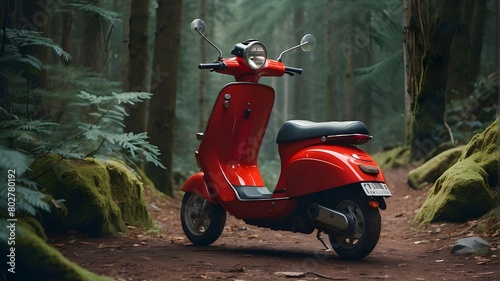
[249, 253]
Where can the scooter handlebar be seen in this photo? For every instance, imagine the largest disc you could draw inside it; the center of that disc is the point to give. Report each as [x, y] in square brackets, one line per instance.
[291, 70]
[212, 66]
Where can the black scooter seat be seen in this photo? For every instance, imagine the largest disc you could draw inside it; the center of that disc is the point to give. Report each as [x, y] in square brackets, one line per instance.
[294, 130]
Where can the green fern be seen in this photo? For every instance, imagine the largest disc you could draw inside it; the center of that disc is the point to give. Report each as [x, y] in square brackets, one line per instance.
[87, 7]
[27, 197]
[18, 39]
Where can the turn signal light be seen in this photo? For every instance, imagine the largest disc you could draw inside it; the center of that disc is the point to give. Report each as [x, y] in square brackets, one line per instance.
[373, 204]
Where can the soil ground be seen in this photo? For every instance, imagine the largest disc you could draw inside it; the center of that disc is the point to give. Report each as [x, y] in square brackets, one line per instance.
[249, 253]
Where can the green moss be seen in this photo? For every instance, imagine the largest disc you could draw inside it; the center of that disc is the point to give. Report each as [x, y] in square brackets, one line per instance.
[431, 170]
[128, 193]
[32, 224]
[34, 259]
[463, 191]
[100, 197]
[393, 158]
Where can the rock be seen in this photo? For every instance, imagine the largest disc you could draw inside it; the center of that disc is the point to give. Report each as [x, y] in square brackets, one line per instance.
[36, 260]
[463, 191]
[471, 246]
[99, 197]
[431, 170]
[393, 158]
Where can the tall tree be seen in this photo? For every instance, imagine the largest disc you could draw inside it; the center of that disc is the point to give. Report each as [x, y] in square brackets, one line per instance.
[202, 82]
[161, 123]
[350, 91]
[331, 61]
[437, 22]
[137, 76]
[466, 49]
[92, 47]
[298, 22]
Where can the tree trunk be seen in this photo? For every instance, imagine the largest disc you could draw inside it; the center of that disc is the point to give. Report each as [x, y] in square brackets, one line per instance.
[366, 90]
[466, 49]
[413, 50]
[350, 91]
[202, 83]
[67, 27]
[298, 22]
[164, 88]
[426, 127]
[330, 62]
[137, 77]
[92, 47]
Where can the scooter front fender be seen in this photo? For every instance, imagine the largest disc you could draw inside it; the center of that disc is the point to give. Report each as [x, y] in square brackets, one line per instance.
[196, 184]
[321, 167]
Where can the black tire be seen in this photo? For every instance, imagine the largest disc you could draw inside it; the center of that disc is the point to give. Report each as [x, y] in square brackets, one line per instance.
[202, 225]
[366, 233]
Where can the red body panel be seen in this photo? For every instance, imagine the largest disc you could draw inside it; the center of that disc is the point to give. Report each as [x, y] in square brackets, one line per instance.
[232, 139]
[228, 152]
[323, 166]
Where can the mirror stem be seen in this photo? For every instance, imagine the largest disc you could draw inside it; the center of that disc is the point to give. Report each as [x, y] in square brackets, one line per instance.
[288, 50]
[210, 42]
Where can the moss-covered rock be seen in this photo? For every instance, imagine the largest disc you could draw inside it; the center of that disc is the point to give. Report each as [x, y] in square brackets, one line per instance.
[431, 170]
[463, 191]
[127, 191]
[100, 197]
[36, 260]
[393, 158]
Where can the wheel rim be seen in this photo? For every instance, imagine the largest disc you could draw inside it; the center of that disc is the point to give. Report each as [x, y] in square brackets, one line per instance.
[197, 217]
[351, 240]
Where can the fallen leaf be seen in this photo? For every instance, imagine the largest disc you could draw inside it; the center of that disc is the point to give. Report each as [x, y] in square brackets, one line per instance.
[291, 274]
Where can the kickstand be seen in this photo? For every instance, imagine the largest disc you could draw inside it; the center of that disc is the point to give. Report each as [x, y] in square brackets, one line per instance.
[318, 235]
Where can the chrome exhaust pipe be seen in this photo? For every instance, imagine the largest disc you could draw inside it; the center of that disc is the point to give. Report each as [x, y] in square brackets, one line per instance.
[327, 218]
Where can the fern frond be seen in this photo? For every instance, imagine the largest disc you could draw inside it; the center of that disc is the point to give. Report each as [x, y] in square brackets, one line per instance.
[131, 97]
[24, 38]
[18, 63]
[138, 143]
[11, 159]
[105, 14]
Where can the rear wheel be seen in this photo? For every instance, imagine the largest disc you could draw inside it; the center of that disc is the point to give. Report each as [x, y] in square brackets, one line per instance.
[365, 232]
[202, 221]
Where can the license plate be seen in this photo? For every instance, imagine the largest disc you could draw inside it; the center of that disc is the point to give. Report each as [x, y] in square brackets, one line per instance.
[376, 189]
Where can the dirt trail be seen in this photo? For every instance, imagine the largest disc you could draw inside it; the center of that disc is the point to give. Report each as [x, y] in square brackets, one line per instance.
[250, 253]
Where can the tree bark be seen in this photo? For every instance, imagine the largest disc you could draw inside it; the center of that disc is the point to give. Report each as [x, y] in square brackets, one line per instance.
[137, 77]
[330, 61]
[350, 91]
[202, 82]
[164, 88]
[426, 127]
[298, 100]
[413, 50]
[466, 49]
[92, 47]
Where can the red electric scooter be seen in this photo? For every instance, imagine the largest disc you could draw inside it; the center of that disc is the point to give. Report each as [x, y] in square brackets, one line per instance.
[326, 182]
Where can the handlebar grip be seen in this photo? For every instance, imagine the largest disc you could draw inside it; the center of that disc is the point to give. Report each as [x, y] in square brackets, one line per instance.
[297, 70]
[212, 66]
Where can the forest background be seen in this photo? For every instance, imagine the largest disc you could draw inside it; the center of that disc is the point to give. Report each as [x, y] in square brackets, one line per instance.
[89, 78]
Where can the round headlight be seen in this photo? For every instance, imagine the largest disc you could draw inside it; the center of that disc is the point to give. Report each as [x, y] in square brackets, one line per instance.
[255, 55]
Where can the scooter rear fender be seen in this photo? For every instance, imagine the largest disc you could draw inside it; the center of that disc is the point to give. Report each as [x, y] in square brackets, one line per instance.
[321, 167]
[196, 184]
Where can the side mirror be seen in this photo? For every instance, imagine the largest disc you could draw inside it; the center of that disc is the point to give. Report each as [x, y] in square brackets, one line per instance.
[198, 28]
[306, 44]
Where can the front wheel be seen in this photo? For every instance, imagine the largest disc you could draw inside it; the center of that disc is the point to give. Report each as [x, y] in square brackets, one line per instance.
[202, 221]
[365, 232]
